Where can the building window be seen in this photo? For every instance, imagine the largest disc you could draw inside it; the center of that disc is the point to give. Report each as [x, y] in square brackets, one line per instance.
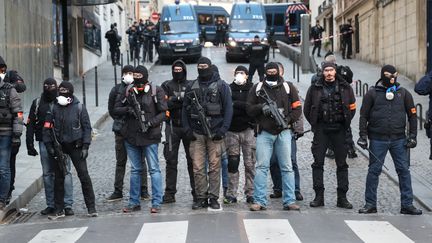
[92, 36]
[57, 34]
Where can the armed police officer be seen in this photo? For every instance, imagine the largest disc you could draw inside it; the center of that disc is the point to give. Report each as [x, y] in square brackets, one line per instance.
[39, 109]
[383, 115]
[257, 54]
[114, 41]
[121, 155]
[316, 34]
[149, 35]
[206, 116]
[144, 108]
[240, 137]
[329, 108]
[174, 131]
[68, 129]
[11, 125]
[275, 105]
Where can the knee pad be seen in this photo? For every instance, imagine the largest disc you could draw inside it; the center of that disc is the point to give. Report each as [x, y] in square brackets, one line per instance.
[233, 163]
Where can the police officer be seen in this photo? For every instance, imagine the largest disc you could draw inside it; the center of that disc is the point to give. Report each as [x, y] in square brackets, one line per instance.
[37, 115]
[385, 109]
[206, 115]
[149, 34]
[11, 121]
[144, 108]
[121, 154]
[275, 172]
[329, 108]
[347, 32]
[12, 77]
[174, 131]
[240, 137]
[424, 87]
[257, 53]
[274, 135]
[69, 124]
[134, 41]
[316, 34]
[114, 43]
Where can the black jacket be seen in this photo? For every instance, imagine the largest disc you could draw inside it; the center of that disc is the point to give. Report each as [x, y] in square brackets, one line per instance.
[35, 121]
[70, 124]
[313, 104]
[257, 52]
[424, 87]
[383, 119]
[154, 112]
[175, 90]
[290, 103]
[14, 78]
[241, 120]
[116, 91]
[219, 123]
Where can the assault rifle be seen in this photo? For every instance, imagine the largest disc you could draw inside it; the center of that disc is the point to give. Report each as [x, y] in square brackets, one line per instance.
[274, 111]
[203, 119]
[139, 114]
[59, 156]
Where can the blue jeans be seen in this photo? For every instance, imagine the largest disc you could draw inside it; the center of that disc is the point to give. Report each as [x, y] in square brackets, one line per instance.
[275, 171]
[5, 173]
[224, 166]
[280, 144]
[398, 152]
[135, 154]
[48, 179]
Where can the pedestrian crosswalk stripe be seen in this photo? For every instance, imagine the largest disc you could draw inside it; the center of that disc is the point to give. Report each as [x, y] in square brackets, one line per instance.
[163, 232]
[270, 231]
[66, 235]
[377, 231]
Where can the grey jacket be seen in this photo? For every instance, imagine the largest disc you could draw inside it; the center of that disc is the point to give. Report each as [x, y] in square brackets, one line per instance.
[14, 103]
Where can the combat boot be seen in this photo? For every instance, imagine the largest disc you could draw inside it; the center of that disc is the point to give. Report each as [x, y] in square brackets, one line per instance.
[342, 201]
[318, 200]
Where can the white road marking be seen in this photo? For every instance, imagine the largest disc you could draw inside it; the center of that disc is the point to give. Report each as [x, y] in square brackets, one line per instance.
[270, 231]
[377, 231]
[65, 235]
[164, 232]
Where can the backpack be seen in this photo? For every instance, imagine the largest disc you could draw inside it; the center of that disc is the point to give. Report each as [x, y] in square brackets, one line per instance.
[80, 105]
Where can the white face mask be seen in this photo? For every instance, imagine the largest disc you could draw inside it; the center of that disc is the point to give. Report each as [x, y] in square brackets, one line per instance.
[128, 79]
[63, 101]
[240, 79]
[271, 83]
[2, 76]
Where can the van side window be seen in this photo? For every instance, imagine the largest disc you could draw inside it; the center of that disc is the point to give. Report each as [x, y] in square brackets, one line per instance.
[292, 19]
[278, 19]
[205, 19]
[269, 19]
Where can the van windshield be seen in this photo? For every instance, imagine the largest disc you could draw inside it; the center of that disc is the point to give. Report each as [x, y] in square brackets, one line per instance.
[179, 27]
[248, 25]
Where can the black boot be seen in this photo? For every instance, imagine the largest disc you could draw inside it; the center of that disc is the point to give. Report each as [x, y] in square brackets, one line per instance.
[342, 201]
[200, 203]
[319, 199]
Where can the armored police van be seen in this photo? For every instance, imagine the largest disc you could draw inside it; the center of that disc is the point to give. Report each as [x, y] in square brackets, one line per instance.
[247, 20]
[179, 34]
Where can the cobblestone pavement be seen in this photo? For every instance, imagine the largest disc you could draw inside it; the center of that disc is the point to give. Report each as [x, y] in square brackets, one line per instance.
[101, 165]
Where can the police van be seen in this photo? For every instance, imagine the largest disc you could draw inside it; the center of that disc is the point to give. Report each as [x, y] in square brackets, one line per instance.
[208, 17]
[293, 21]
[246, 20]
[276, 18]
[179, 34]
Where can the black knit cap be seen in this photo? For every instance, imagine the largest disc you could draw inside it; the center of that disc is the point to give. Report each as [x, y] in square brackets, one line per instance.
[242, 68]
[204, 60]
[143, 70]
[387, 68]
[325, 65]
[272, 65]
[127, 69]
[67, 85]
[50, 81]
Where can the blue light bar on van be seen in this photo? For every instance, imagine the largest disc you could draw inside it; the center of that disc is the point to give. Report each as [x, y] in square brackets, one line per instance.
[177, 2]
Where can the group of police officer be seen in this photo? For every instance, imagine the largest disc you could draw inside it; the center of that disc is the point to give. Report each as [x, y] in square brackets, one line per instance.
[145, 34]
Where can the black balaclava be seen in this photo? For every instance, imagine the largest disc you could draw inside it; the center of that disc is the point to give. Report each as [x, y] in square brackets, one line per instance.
[67, 85]
[141, 81]
[181, 76]
[386, 81]
[49, 94]
[205, 74]
[275, 77]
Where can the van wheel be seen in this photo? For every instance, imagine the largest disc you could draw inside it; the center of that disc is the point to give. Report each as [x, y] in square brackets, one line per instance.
[228, 58]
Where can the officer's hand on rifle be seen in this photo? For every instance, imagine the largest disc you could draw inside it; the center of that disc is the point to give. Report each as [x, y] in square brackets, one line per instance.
[31, 150]
[266, 110]
[50, 150]
[16, 140]
[190, 136]
[218, 136]
[411, 142]
[362, 142]
[131, 112]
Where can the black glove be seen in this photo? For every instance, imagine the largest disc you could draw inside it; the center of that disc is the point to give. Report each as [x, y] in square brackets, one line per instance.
[218, 136]
[266, 110]
[131, 112]
[50, 150]
[16, 141]
[84, 153]
[411, 142]
[362, 142]
[190, 136]
[31, 150]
